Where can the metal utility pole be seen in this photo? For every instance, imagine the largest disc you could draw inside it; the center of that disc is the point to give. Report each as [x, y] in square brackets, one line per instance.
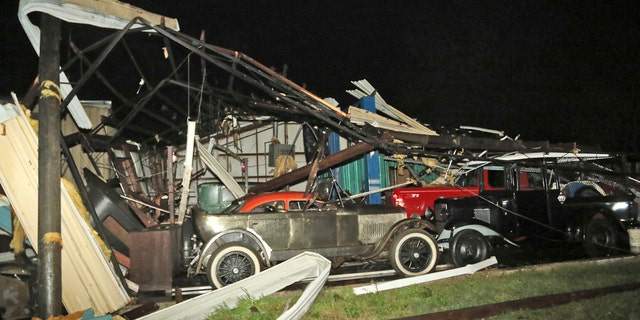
[49, 225]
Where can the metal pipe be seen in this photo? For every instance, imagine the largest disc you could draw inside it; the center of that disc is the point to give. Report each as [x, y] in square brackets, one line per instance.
[275, 130]
[49, 206]
[145, 204]
[171, 188]
[83, 80]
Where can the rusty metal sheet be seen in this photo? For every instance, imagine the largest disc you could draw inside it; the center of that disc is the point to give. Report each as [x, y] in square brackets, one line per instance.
[155, 257]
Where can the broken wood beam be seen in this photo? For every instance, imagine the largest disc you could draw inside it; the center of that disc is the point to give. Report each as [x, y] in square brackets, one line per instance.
[303, 172]
[188, 161]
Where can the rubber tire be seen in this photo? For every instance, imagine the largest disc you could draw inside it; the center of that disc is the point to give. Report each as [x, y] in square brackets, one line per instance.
[601, 238]
[413, 252]
[232, 262]
[468, 247]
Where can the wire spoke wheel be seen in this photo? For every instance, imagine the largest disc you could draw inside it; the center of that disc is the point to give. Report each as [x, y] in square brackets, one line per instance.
[413, 253]
[232, 263]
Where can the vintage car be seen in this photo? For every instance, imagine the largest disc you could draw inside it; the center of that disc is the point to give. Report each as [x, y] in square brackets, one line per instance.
[262, 230]
[540, 203]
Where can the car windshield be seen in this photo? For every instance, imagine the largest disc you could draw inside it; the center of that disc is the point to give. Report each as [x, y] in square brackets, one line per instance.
[233, 207]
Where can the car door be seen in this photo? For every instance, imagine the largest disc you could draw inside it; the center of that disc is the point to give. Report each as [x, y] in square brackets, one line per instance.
[311, 227]
[273, 227]
[535, 202]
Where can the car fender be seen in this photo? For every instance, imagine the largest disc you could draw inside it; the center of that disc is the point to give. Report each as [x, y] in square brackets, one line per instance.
[404, 224]
[409, 223]
[580, 224]
[484, 228]
[248, 236]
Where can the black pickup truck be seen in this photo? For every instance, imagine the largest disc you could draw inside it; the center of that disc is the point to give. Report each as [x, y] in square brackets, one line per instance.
[559, 202]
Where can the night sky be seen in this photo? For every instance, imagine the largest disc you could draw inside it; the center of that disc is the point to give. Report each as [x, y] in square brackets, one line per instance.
[545, 70]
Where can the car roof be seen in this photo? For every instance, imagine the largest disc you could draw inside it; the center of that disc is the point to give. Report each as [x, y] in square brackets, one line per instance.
[259, 199]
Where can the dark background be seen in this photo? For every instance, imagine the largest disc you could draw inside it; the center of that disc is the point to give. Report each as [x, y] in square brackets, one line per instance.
[545, 70]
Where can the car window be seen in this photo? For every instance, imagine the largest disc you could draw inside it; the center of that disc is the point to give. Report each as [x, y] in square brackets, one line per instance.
[299, 205]
[314, 206]
[531, 179]
[468, 179]
[233, 207]
[495, 179]
[296, 205]
[271, 206]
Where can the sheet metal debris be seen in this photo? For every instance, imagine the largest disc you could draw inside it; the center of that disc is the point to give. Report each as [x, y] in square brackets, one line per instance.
[303, 266]
[366, 89]
[225, 177]
[88, 280]
[395, 284]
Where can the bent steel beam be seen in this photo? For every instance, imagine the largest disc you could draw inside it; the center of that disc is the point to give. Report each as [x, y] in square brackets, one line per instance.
[101, 13]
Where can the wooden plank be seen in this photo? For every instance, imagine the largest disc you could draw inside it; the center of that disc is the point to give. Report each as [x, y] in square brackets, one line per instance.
[156, 163]
[118, 231]
[138, 209]
[130, 171]
[366, 89]
[411, 122]
[186, 180]
[122, 259]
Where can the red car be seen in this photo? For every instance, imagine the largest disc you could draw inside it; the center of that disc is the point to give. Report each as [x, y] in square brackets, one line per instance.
[419, 201]
[276, 201]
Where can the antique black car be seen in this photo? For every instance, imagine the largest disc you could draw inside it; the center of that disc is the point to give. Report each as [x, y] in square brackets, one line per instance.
[258, 232]
[561, 203]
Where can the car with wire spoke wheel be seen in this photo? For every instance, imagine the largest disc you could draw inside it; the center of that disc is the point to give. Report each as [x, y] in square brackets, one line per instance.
[260, 231]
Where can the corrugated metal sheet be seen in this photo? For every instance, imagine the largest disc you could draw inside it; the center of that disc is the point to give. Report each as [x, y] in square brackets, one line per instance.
[88, 279]
[384, 172]
[352, 176]
[366, 89]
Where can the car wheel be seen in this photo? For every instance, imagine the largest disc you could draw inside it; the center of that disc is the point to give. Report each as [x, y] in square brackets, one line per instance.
[601, 238]
[232, 262]
[413, 253]
[467, 247]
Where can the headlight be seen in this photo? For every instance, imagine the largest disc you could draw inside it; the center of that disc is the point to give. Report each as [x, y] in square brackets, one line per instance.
[441, 212]
[620, 206]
